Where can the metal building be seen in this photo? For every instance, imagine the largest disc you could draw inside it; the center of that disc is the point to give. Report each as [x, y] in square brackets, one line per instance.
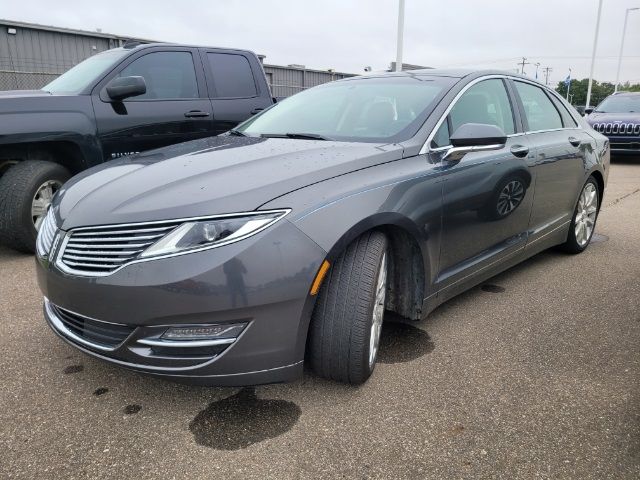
[32, 55]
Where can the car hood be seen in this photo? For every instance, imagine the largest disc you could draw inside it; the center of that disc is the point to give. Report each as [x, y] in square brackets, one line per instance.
[215, 175]
[23, 93]
[597, 117]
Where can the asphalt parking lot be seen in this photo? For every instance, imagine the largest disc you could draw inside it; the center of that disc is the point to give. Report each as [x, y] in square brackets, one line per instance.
[536, 374]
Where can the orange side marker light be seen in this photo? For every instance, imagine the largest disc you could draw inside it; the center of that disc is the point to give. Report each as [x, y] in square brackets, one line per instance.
[315, 286]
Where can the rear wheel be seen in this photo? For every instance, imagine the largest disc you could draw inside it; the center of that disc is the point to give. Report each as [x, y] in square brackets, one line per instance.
[26, 191]
[347, 319]
[584, 219]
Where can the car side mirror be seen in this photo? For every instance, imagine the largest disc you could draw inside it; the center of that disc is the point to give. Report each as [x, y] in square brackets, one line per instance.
[588, 110]
[124, 87]
[474, 137]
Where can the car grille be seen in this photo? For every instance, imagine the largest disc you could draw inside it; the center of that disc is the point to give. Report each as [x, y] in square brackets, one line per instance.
[95, 251]
[617, 128]
[46, 234]
[90, 331]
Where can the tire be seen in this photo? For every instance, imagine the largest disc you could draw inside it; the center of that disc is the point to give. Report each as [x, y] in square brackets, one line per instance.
[344, 337]
[22, 188]
[586, 214]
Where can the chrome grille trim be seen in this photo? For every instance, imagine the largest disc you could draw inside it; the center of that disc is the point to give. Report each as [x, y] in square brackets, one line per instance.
[617, 128]
[71, 243]
[99, 251]
[46, 234]
[92, 333]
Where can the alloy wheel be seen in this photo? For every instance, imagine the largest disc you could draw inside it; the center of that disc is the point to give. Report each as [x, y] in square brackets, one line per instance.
[378, 311]
[42, 200]
[586, 212]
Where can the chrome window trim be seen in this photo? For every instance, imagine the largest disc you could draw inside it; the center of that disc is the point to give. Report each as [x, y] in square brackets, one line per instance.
[67, 235]
[425, 147]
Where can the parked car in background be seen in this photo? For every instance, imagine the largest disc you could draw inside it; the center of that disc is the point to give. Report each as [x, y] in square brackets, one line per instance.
[116, 103]
[225, 260]
[618, 117]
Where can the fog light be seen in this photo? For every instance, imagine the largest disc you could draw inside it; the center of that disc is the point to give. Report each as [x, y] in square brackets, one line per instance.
[204, 332]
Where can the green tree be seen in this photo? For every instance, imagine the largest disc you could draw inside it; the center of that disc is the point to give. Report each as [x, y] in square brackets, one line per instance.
[599, 91]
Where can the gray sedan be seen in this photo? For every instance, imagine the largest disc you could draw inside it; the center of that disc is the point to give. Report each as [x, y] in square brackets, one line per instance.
[233, 259]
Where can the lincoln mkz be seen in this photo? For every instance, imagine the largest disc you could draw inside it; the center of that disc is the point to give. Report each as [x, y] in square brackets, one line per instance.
[231, 260]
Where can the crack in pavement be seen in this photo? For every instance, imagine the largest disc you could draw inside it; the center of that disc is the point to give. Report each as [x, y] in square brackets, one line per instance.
[619, 199]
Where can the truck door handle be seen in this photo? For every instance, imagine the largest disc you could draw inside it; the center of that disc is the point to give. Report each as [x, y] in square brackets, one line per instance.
[256, 110]
[196, 114]
[520, 151]
[575, 142]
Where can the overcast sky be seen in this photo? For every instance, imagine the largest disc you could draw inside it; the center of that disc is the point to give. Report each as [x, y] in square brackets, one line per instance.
[349, 35]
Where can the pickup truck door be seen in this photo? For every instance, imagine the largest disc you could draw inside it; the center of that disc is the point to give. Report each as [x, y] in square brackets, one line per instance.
[237, 86]
[174, 109]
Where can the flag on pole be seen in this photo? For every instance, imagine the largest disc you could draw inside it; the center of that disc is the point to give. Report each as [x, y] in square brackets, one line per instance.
[567, 81]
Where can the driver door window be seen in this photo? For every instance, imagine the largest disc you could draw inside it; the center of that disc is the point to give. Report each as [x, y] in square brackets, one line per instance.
[168, 75]
[486, 102]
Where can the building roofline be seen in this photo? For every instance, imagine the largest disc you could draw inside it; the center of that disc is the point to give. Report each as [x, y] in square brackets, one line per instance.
[88, 33]
[316, 70]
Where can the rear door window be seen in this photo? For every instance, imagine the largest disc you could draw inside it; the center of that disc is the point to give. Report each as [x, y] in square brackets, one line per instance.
[232, 75]
[539, 111]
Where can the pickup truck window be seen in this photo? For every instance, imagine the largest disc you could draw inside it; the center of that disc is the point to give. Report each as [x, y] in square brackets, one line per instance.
[364, 110]
[232, 75]
[74, 81]
[168, 75]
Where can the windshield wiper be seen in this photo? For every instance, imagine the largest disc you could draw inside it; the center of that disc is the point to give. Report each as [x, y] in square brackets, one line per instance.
[301, 136]
[308, 136]
[237, 133]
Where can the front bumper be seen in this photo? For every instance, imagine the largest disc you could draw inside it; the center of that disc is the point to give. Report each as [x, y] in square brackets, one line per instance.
[262, 281]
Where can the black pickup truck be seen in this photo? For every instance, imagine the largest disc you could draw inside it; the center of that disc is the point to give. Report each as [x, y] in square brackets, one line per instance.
[115, 103]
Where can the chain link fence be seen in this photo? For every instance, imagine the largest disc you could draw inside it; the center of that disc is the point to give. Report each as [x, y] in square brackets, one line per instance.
[16, 80]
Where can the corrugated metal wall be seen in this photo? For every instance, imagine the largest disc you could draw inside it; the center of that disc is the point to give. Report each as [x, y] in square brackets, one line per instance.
[33, 57]
[286, 81]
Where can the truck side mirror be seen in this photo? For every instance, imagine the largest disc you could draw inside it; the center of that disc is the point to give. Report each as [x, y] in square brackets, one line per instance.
[124, 87]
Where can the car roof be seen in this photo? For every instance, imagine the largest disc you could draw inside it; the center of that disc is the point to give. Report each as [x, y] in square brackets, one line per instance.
[139, 46]
[445, 72]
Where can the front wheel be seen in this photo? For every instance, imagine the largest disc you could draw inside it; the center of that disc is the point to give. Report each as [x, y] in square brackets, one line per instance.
[26, 191]
[584, 219]
[347, 319]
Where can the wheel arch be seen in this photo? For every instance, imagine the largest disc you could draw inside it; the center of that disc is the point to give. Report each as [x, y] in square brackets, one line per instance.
[597, 174]
[405, 293]
[67, 153]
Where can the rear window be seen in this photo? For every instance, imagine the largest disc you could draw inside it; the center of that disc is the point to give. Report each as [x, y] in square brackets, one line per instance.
[232, 75]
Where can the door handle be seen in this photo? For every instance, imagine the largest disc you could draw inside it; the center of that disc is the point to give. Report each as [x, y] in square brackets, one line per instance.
[196, 114]
[256, 110]
[520, 151]
[575, 142]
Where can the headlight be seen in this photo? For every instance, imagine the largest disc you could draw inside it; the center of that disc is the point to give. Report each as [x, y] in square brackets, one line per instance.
[214, 232]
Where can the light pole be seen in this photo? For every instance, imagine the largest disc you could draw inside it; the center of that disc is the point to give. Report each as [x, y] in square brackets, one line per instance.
[400, 36]
[624, 30]
[593, 54]
[569, 85]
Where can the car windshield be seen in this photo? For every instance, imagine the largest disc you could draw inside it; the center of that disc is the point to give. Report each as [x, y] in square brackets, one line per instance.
[74, 81]
[620, 104]
[363, 110]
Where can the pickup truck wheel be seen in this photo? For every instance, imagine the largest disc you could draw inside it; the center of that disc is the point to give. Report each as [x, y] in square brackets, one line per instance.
[26, 191]
[347, 318]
